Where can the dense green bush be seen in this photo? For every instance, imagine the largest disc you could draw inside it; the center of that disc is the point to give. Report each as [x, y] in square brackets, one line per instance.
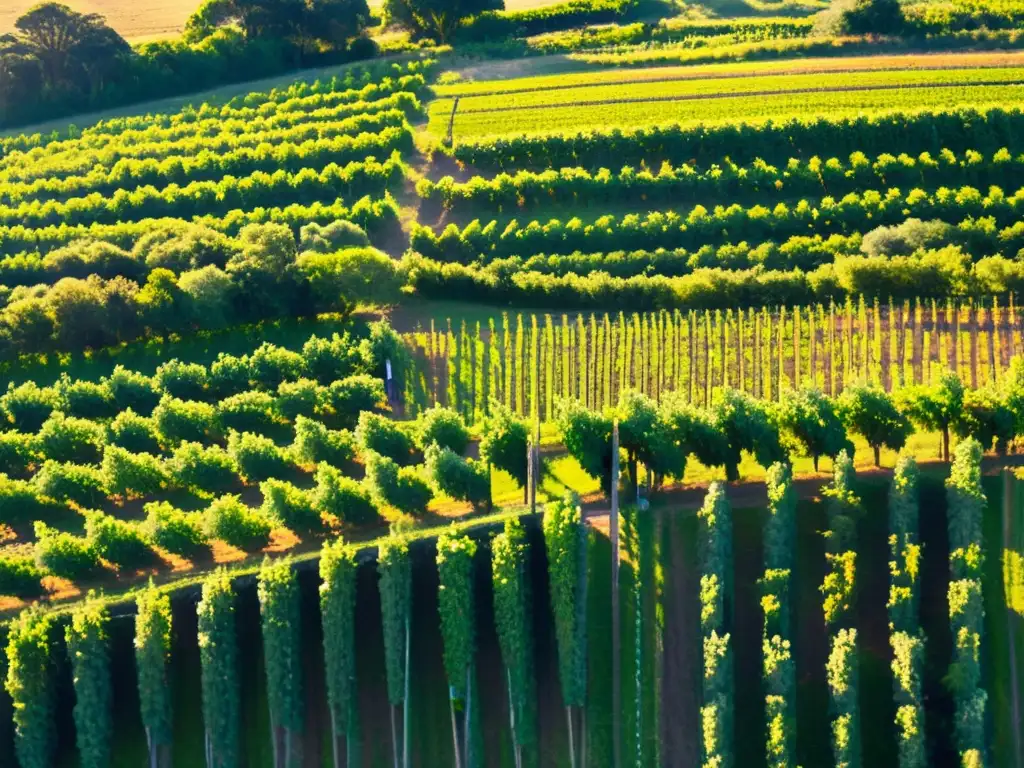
[179, 532]
[380, 435]
[132, 474]
[504, 443]
[303, 397]
[20, 500]
[247, 412]
[20, 577]
[117, 541]
[86, 399]
[68, 439]
[133, 390]
[315, 443]
[31, 686]
[17, 452]
[188, 420]
[153, 620]
[229, 375]
[83, 485]
[64, 555]
[205, 469]
[872, 414]
[181, 380]
[351, 396]
[444, 427]
[231, 521]
[290, 507]
[257, 457]
[456, 477]
[28, 405]
[134, 433]
[343, 497]
[270, 365]
[329, 360]
[398, 487]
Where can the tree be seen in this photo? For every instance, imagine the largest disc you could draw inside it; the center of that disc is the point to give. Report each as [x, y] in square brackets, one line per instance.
[935, 407]
[439, 18]
[30, 686]
[337, 611]
[588, 439]
[874, 17]
[871, 413]
[278, 591]
[810, 421]
[647, 437]
[74, 49]
[342, 280]
[218, 657]
[746, 426]
[152, 653]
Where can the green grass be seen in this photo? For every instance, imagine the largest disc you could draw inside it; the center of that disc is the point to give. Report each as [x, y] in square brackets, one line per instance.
[719, 110]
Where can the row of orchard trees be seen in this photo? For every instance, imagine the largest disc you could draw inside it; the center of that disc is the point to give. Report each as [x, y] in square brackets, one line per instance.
[594, 358]
[34, 638]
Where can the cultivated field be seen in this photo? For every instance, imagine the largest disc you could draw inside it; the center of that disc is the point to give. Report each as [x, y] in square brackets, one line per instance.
[787, 292]
[135, 21]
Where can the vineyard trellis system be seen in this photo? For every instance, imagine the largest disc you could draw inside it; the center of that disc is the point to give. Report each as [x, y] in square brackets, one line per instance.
[595, 357]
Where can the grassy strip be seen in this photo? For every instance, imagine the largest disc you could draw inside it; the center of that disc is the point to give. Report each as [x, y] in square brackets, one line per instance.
[751, 108]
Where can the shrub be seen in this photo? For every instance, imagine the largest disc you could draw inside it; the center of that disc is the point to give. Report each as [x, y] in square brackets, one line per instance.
[28, 405]
[332, 237]
[457, 477]
[383, 344]
[133, 390]
[269, 365]
[328, 360]
[180, 420]
[299, 398]
[229, 375]
[289, 506]
[19, 500]
[185, 381]
[134, 433]
[132, 474]
[231, 521]
[444, 427]
[204, 469]
[350, 397]
[117, 541]
[20, 577]
[343, 497]
[86, 399]
[175, 530]
[65, 438]
[315, 443]
[247, 412]
[377, 434]
[71, 482]
[504, 443]
[257, 458]
[398, 487]
[64, 555]
[17, 452]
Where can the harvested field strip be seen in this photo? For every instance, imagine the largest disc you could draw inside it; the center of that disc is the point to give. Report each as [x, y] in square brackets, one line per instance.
[691, 97]
[538, 120]
[900, 63]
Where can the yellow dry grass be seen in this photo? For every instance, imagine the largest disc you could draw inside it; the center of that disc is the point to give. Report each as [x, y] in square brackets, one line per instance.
[135, 20]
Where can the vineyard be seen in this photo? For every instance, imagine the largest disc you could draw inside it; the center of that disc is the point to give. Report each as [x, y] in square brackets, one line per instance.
[652, 397]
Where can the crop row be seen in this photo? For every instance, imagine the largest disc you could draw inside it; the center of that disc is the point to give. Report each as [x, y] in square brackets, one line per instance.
[929, 274]
[669, 183]
[738, 86]
[625, 113]
[213, 198]
[384, 73]
[909, 132]
[74, 161]
[216, 127]
[209, 166]
[850, 214]
[372, 214]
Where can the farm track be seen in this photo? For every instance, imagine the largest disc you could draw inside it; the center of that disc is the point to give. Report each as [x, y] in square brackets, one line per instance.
[741, 95]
